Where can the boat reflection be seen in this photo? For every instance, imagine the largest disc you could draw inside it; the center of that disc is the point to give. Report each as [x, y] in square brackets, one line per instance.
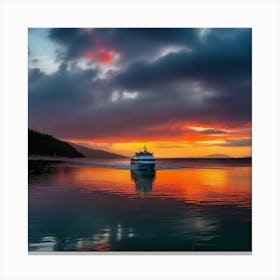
[143, 180]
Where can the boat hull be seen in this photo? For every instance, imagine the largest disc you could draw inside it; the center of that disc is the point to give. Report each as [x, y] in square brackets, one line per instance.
[143, 166]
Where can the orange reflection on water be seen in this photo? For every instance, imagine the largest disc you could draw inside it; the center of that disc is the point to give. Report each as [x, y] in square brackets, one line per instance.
[219, 186]
[105, 179]
[231, 185]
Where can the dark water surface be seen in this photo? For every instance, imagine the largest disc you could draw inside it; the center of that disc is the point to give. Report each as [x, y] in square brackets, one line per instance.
[184, 205]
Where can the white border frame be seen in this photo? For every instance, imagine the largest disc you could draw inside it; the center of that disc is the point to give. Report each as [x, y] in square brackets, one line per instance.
[262, 16]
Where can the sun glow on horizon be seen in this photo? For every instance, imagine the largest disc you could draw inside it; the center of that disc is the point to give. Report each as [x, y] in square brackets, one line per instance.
[199, 140]
[168, 149]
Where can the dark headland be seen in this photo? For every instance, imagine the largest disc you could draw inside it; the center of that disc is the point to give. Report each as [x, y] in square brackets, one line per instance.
[42, 145]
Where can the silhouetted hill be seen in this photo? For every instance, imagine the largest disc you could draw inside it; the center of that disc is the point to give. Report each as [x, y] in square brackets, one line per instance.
[218, 156]
[92, 153]
[41, 144]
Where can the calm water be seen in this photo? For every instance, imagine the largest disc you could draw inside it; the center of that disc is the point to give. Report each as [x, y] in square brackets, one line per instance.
[184, 205]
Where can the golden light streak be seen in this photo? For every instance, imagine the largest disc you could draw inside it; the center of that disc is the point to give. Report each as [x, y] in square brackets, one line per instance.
[194, 143]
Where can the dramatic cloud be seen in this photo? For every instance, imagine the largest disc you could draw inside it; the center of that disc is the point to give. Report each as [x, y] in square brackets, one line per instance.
[130, 43]
[213, 131]
[144, 83]
[243, 142]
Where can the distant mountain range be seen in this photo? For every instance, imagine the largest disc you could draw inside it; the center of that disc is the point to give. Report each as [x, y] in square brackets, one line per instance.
[218, 156]
[93, 153]
[41, 144]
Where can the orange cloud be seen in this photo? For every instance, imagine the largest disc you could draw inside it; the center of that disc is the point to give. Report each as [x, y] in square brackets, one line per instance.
[174, 132]
[218, 125]
[102, 55]
[180, 140]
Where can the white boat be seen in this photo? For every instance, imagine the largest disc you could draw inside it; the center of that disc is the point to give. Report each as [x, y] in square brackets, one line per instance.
[143, 160]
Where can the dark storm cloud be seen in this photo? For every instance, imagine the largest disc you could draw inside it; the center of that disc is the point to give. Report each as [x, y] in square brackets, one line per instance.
[213, 131]
[64, 85]
[62, 94]
[221, 65]
[207, 81]
[75, 40]
[130, 43]
[224, 61]
[64, 35]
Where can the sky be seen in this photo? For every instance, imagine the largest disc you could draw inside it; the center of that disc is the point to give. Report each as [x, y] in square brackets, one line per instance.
[182, 92]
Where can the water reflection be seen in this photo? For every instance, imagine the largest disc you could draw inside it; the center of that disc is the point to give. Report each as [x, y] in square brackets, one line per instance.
[46, 244]
[143, 180]
[84, 208]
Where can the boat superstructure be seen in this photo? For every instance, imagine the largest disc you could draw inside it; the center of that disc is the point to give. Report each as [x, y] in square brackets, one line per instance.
[143, 160]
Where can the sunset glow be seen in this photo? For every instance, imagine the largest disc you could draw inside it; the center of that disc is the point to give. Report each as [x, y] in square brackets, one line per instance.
[140, 140]
[166, 149]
